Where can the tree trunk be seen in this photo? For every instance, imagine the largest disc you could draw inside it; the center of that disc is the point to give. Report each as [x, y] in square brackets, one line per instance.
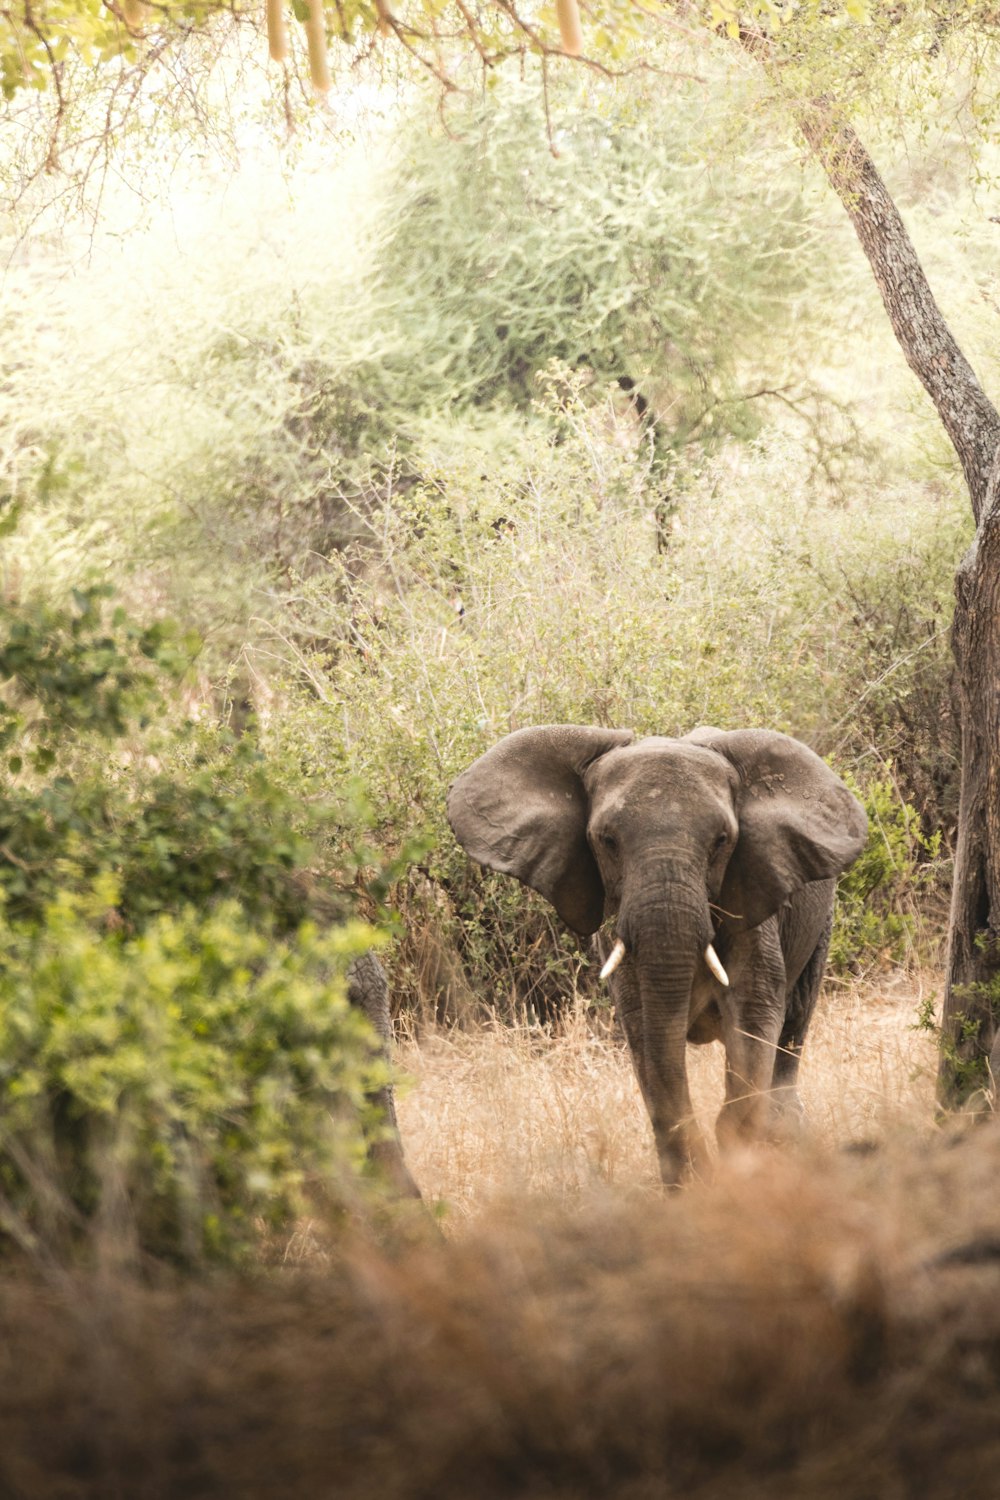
[972, 996]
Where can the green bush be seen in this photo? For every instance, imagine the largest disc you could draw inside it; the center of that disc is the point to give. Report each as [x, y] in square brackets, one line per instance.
[220, 830]
[179, 1086]
[571, 613]
[207, 817]
[79, 668]
[876, 916]
[178, 1060]
[617, 253]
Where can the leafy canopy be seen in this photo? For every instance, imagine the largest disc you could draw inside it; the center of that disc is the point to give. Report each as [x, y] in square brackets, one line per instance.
[39, 40]
[633, 251]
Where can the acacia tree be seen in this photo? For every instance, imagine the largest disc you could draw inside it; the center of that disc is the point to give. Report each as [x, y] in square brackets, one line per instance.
[821, 59]
[970, 1029]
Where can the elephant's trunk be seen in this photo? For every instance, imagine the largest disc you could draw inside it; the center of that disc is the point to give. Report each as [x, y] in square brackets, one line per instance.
[669, 935]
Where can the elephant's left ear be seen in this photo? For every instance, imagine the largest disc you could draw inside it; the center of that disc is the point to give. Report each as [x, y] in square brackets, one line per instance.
[798, 821]
[522, 809]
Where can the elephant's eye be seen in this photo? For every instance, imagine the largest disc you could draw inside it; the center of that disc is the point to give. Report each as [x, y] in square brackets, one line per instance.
[721, 842]
[609, 842]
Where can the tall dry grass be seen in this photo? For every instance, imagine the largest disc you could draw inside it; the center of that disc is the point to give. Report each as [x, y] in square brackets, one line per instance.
[498, 1111]
[817, 1322]
[819, 1326]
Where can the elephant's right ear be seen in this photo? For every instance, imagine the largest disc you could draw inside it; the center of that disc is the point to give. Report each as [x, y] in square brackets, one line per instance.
[521, 809]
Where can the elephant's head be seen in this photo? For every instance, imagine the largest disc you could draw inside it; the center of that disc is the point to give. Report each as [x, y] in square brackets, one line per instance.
[600, 823]
[686, 843]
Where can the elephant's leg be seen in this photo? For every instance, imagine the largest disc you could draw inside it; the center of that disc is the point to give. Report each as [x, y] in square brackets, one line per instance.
[368, 989]
[750, 1057]
[753, 1014]
[800, 1007]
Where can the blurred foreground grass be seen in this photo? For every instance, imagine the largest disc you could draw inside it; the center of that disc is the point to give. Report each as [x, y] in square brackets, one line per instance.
[817, 1325]
[820, 1322]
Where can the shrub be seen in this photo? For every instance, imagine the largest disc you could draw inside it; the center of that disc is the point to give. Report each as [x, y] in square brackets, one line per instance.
[79, 668]
[222, 829]
[875, 919]
[572, 614]
[180, 1084]
[618, 252]
[177, 1054]
[207, 817]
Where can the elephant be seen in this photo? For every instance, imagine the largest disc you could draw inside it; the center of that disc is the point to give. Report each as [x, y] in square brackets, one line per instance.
[716, 855]
[368, 989]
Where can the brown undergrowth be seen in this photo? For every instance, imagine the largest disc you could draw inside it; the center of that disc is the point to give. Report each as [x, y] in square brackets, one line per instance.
[820, 1322]
[500, 1110]
[825, 1324]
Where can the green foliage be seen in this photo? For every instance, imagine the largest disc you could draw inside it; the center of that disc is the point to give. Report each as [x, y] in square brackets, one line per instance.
[175, 1040]
[180, 1084]
[573, 613]
[206, 817]
[967, 1037]
[965, 1060]
[616, 252]
[877, 898]
[898, 595]
[222, 829]
[69, 668]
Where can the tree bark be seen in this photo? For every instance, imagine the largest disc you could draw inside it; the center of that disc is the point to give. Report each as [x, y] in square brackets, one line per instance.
[972, 993]
[971, 1013]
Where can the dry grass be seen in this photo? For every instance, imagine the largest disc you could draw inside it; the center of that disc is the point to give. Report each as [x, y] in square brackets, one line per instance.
[502, 1111]
[813, 1325]
[817, 1323]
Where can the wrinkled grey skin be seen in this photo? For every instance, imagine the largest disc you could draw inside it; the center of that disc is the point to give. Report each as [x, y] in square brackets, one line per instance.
[730, 838]
[368, 989]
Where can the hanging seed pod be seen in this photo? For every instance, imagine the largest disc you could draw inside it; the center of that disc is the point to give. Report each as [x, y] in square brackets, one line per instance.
[134, 12]
[385, 17]
[277, 36]
[568, 16]
[319, 67]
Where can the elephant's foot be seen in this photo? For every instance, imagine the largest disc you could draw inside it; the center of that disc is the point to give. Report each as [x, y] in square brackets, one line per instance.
[788, 1118]
[776, 1118]
[742, 1122]
[683, 1154]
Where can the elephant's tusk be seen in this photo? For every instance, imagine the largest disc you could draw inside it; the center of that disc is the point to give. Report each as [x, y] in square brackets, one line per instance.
[712, 959]
[613, 959]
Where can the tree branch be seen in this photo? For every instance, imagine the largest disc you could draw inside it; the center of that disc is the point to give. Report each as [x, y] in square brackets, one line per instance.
[928, 344]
